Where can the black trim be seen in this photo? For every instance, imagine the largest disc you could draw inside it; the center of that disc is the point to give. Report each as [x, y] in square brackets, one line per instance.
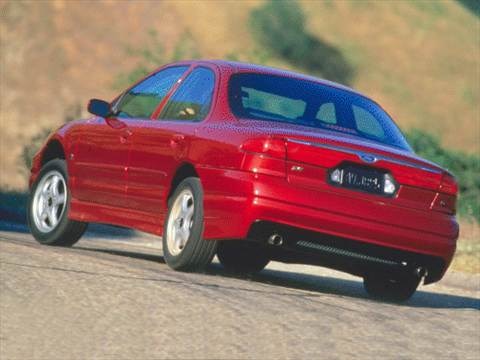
[352, 256]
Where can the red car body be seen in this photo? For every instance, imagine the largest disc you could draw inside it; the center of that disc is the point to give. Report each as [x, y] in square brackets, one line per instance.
[259, 177]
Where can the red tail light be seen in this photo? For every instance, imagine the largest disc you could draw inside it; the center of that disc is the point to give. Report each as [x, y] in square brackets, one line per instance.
[265, 156]
[269, 146]
[449, 185]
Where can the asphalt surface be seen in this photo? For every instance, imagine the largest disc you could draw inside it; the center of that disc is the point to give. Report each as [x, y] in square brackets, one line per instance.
[114, 298]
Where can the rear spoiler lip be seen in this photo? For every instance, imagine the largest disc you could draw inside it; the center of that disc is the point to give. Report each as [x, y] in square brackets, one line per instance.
[366, 156]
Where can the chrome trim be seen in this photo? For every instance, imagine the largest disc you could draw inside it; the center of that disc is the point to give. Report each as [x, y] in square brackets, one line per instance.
[180, 222]
[49, 201]
[360, 154]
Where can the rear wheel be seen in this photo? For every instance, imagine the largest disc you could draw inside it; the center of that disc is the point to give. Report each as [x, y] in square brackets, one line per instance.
[48, 207]
[241, 256]
[391, 288]
[183, 246]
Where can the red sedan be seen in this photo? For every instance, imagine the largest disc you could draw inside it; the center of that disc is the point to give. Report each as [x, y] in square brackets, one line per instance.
[252, 164]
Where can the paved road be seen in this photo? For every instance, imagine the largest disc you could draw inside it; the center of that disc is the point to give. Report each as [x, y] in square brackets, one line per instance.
[111, 299]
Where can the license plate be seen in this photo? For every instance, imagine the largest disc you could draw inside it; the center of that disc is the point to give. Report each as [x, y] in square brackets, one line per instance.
[358, 178]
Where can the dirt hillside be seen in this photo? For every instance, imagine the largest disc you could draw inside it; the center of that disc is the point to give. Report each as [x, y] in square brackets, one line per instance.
[420, 60]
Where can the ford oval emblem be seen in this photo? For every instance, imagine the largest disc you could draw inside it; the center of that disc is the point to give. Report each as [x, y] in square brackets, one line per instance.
[367, 158]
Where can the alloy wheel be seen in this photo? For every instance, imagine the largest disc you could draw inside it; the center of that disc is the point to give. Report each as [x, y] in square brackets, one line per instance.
[181, 221]
[49, 201]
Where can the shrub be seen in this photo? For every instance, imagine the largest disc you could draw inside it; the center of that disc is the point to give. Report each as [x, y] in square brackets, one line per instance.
[31, 148]
[153, 55]
[464, 166]
[72, 112]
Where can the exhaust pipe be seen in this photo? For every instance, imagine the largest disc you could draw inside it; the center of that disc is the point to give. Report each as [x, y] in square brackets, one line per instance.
[275, 239]
[421, 272]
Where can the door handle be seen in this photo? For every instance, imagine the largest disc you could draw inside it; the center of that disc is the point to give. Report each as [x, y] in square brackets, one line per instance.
[177, 140]
[178, 137]
[126, 133]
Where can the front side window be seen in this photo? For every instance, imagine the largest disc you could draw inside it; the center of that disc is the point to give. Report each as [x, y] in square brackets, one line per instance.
[142, 100]
[193, 98]
[307, 103]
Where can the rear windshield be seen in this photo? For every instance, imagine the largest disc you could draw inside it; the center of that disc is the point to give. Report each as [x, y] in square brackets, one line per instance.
[283, 99]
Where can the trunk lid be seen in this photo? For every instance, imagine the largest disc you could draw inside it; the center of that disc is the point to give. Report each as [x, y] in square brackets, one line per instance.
[328, 152]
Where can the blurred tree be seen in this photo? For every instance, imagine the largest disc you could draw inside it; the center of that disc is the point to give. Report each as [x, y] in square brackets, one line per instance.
[472, 5]
[185, 49]
[279, 25]
[153, 55]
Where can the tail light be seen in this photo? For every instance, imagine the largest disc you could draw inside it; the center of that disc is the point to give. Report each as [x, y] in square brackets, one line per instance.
[448, 185]
[269, 146]
[446, 198]
[265, 156]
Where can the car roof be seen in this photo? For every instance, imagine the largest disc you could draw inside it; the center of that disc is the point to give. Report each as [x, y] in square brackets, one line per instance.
[238, 67]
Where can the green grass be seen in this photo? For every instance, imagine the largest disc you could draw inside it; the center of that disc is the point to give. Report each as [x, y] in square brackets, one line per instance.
[467, 257]
[433, 8]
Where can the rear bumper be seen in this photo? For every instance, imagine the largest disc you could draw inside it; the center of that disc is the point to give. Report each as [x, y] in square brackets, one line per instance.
[399, 244]
[352, 256]
[235, 201]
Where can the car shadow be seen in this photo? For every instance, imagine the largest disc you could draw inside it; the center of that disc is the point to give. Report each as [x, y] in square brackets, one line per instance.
[108, 231]
[130, 254]
[93, 230]
[317, 284]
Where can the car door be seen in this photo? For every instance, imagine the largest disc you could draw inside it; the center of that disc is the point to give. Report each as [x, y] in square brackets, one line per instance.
[104, 149]
[161, 145]
[100, 160]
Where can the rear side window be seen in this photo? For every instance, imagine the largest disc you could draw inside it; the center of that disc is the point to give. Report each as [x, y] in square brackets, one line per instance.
[326, 113]
[193, 98]
[366, 122]
[142, 100]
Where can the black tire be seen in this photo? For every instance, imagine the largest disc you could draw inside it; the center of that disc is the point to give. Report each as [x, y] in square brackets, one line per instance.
[196, 253]
[391, 288]
[65, 232]
[240, 256]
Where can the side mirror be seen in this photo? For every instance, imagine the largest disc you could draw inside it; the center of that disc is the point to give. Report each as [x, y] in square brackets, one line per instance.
[99, 108]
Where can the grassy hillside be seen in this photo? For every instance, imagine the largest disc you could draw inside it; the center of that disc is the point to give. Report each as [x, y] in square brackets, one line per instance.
[420, 60]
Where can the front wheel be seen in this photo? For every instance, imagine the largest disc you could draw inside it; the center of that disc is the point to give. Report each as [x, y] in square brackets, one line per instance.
[183, 246]
[391, 288]
[48, 207]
